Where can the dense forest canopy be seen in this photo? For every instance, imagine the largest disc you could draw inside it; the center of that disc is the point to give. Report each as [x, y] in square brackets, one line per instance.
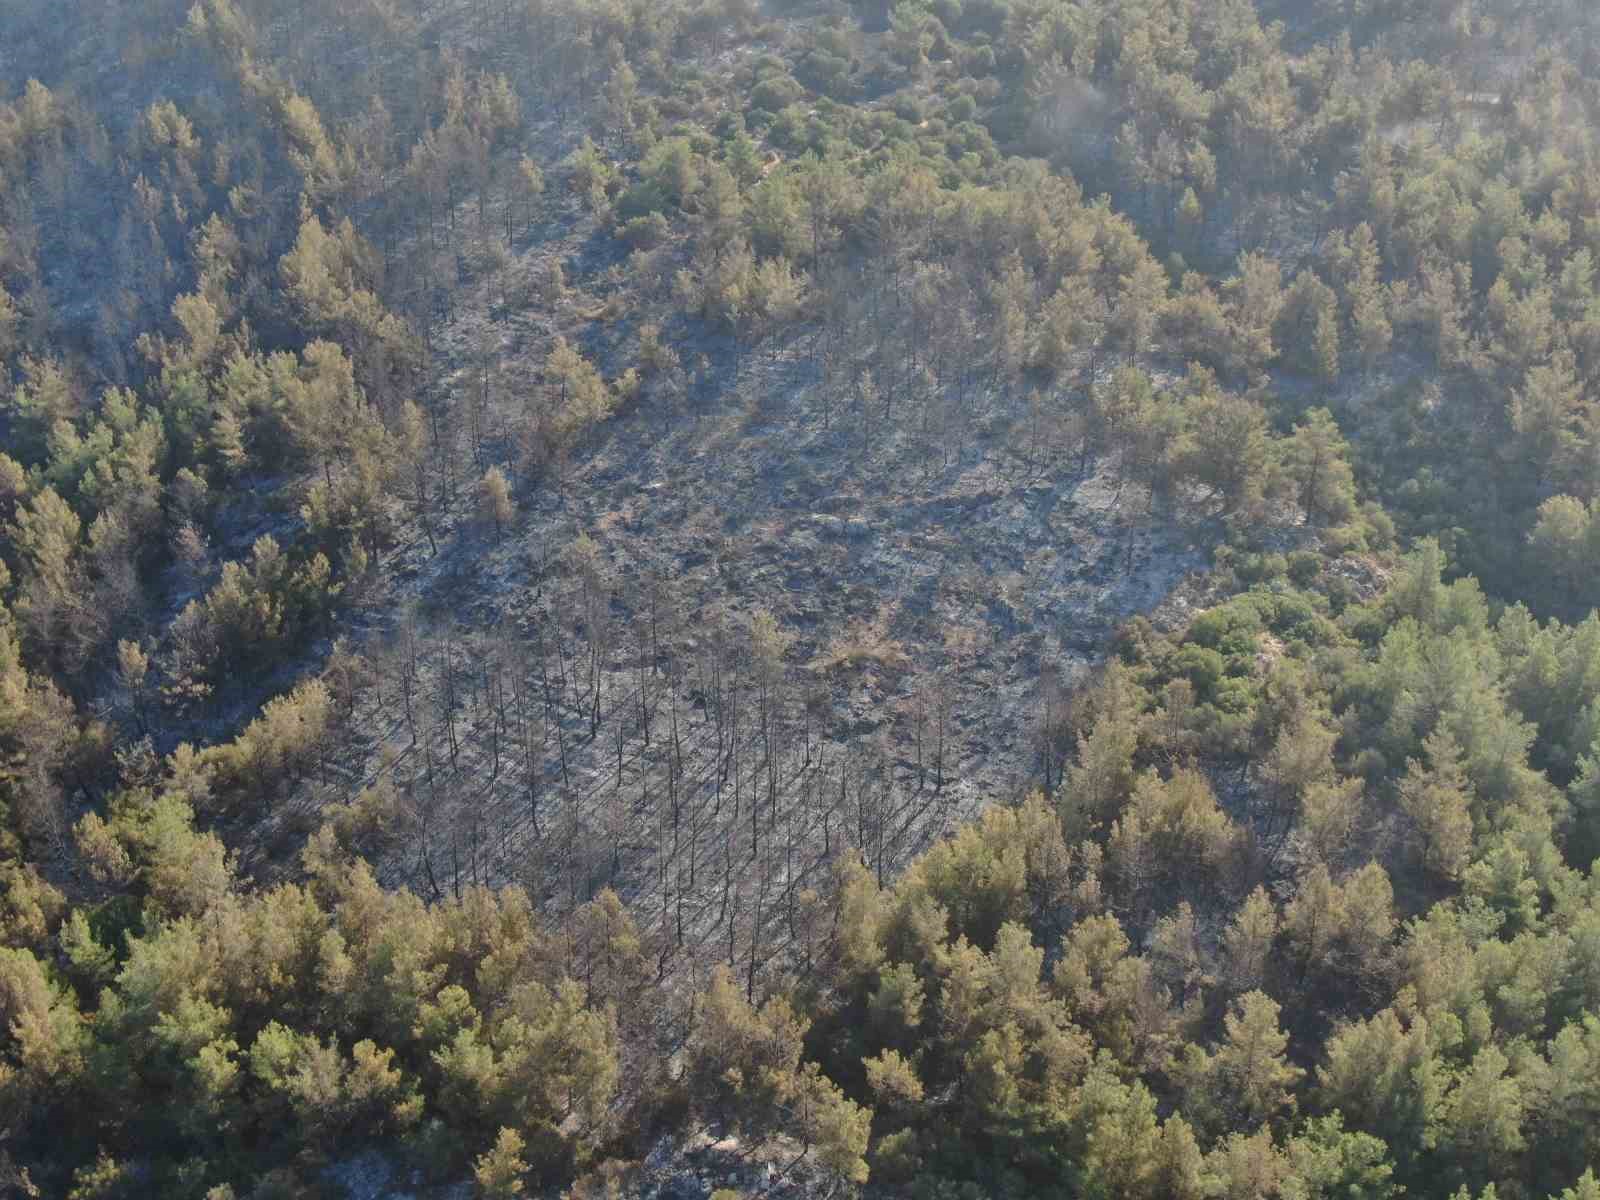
[946, 598]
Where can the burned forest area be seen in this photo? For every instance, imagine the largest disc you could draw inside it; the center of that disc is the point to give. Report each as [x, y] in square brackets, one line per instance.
[712, 599]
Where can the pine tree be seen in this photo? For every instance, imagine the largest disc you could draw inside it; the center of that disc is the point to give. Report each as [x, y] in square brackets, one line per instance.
[9, 320]
[1587, 1188]
[1247, 942]
[499, 1170]
[1317, 459]
[495, 505]
[1481, 1120]
[1246, 1081]
[1437, 798]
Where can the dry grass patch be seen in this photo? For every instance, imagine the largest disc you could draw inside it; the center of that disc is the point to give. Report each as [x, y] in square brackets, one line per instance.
[863, 644]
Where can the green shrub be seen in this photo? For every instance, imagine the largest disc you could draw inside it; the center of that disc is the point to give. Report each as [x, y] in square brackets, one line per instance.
[1203, 667]
[776, 93]
[827, 73]
[1261, 568]
[1235, 696]
[908, 107]
[646, 232]
[979, 61]
[641, 200]
[1304, 567]
[960, 110]
[1224, 624]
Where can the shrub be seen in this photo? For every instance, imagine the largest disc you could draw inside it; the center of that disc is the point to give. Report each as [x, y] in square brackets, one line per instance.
[1262, 568]
[776, 93]
[961, 110]
[908, 107]
[641, 200]
[1304, 567]
[646, 232]
[1222, 627]
[1201, 666]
